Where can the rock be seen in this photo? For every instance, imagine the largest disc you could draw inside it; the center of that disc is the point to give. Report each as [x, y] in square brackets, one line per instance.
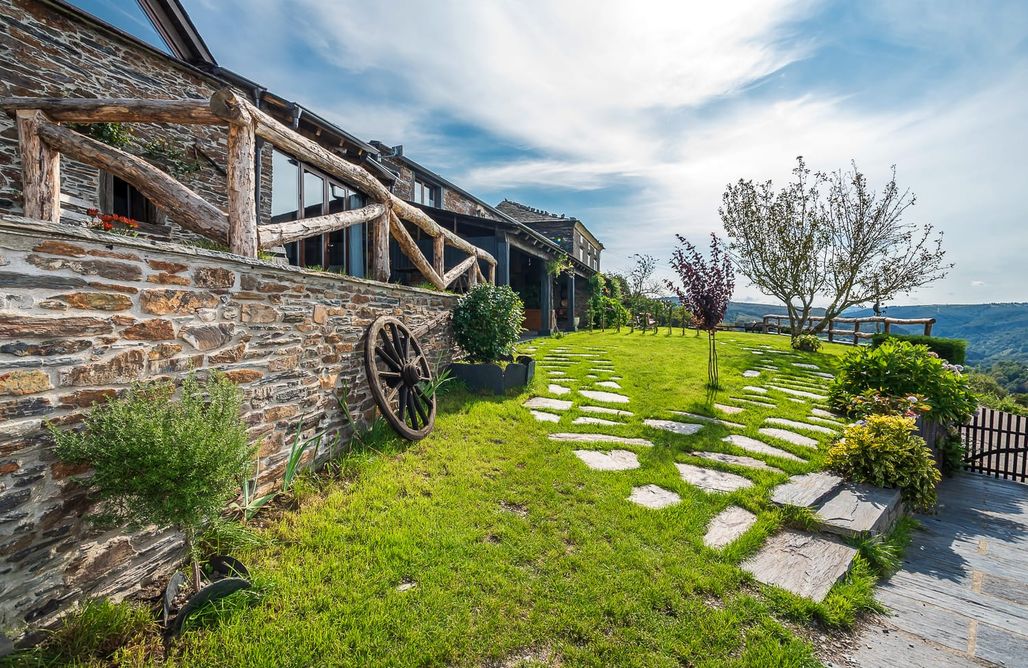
[615, 460]
[727, 526]
[798, 393]
[258, 313]
[607, 397]
[754, 389]
[556, 373]
[794, 424]
[750, 373]
[45, 348]
[557, 389]
[60, 248]
[170, 267]
[711, 420]
[856, 508]
[154, 329]
[609, 384]
[124, 367]
[681, 428]
[802, 563]
[207, 337]
[163, 302]
[551, 404]
[710, 480]
[162, 278]
[652, 496]
[805, 490]
[19, 383]
[240, 376]
[751, 402]
[600, 438]
[592, 420]
[736, 460]
[760, 447]
[86, 398]
[12, 326]
[603, 410]
[804, 365]
[730, 410]
[820, 412]
[545, 417]
[14, 279]
[213, 277]
[788, 436]
[97, 301]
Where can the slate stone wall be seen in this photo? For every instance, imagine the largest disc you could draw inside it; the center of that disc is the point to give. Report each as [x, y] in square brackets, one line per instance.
[83, 314]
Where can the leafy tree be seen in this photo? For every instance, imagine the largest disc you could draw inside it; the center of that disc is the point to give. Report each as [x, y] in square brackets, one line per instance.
[829, 236]
[706, 288]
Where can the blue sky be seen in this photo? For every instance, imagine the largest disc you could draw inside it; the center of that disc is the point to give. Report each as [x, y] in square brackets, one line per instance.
[634, 116]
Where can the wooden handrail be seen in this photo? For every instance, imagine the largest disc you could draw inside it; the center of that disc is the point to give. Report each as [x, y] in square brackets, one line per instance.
[279, 234]
[855, 333]
[114, 110]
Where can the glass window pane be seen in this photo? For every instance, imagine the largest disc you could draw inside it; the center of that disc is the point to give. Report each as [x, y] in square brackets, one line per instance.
[312, 251]
[313, 195]
[127, 16]
[338, 198]
[285, 197]
[337, 250]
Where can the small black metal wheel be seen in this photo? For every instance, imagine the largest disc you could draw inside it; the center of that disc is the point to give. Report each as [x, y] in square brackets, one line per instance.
[398, 372]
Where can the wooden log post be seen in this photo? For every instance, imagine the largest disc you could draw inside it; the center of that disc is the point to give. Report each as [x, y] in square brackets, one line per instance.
[411, 250]
[116, 110]
[40, 169]
[242, 203]
[279, 234]
[473, 272]
[831, 331]
[492, 274]
[928, 326]
[439, 254]
[380, 269]
[856, 332]
[458, 271]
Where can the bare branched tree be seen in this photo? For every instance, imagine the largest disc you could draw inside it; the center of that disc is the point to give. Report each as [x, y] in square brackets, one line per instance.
[829, 236]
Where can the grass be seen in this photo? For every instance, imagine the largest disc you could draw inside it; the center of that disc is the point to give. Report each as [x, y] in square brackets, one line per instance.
[518, 553]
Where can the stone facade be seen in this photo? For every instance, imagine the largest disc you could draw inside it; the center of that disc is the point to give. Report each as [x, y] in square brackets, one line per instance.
[452, 200]
[83, 314]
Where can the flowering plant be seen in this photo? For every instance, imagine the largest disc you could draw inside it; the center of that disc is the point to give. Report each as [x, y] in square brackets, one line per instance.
[112, 222]
[874, 402]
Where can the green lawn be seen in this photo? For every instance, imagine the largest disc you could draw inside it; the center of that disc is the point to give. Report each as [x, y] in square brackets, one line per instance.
[519, 554]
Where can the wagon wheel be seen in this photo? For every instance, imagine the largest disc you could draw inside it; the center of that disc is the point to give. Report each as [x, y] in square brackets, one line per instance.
[397, 369]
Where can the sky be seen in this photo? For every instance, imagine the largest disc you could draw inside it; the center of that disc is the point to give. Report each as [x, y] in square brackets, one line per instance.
[634, 115]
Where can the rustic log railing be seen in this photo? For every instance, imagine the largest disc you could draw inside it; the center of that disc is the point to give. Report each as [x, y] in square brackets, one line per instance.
[773, 325]
[42, 140]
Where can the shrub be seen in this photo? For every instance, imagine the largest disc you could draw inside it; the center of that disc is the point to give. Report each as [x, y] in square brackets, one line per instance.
[487, 322]
[872, 402]
[899, 369]
[884, 451]
[160, 460]
[953, 351]
[806, 342]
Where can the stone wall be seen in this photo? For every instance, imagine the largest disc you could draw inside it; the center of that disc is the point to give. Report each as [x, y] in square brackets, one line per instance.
[83, 314]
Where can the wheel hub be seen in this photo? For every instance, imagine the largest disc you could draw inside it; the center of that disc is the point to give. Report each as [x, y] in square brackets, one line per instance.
[410, 374]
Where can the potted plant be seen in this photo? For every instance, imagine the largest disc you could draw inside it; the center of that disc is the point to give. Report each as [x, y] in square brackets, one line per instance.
[487, 325]
[170, 459]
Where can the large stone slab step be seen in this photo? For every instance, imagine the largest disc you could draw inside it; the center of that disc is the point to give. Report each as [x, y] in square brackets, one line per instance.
[727, 526]
[605, 397]
[710, 480]
[652, 496]
[615, 460]
[805, 564]
[844, 508]
[681, 428]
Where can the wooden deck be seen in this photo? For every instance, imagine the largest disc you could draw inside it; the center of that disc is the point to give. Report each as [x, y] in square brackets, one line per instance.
[961, 597]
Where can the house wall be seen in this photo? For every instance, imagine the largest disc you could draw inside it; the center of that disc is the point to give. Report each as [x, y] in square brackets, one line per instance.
[83, 314]
[452, 200]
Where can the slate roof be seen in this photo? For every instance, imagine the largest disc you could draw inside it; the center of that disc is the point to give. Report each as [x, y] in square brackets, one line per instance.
[526, 214]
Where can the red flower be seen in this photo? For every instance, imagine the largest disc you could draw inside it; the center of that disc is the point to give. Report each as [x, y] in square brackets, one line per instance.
[92, 213]
[108, 226]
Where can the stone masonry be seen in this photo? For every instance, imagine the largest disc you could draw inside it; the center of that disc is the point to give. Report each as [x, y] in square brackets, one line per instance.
[83, 314]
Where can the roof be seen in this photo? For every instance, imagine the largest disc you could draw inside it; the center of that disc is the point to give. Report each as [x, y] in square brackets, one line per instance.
[530, 216]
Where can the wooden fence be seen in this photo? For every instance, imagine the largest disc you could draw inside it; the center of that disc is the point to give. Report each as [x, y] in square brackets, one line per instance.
[996, 443]
[42, 139]
[773, 325]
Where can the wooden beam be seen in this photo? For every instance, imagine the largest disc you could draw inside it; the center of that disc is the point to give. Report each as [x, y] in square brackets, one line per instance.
[241, 179]
[115, 110]
[40, 169]
[473, 271]
[380, 269]
[279, 234]
[439, 255]
[411, 250]
[492, 274]
[183, 205]
[459, 270]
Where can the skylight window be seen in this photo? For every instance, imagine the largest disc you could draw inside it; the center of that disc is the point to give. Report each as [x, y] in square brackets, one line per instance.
[126, 15]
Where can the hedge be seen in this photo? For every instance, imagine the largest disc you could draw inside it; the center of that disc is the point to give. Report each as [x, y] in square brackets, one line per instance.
[953, 351]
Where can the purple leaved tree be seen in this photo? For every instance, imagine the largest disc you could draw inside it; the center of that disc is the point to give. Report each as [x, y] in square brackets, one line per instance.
[706, 287]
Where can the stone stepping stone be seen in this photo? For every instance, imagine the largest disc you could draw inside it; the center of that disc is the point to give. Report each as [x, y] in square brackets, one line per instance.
[826, 421]
[556, 373]
[652, 496]
[731, 410]
[788, 436]
[606, 397]
[795, 401]
[804, 365]
[711, 420]
[754, 389]
[750, 373]
[805, 490]
[820, 412]
[822, 374]
[760, 447]
[751, 402]
[545, 417]
[609, 384]
[600, 438]
[797, 393]
[856, 508]
[557, 389]
[592, 420]
[727, 526]
[603, 410]
[802, 563]
[602, 370]
[547, 403]
[795, 424]
[737, 460]
[681, 428]
[615, 460]
[591, 375]
[711, 480]
[562, 381]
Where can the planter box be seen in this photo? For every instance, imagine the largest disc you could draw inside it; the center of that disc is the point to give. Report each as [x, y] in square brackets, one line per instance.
[491, 378]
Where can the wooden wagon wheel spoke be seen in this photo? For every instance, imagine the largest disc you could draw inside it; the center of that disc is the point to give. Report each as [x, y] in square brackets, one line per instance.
[396, 367]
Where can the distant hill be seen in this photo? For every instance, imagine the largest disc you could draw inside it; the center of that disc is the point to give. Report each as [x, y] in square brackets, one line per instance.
[749, 311]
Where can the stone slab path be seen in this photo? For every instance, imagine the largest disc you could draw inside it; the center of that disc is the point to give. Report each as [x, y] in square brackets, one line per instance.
[727, 526]
[797, 393]
[682, 428]
[599, 438]
[557, 389]
[736, 460]
[615, 460]
[551, 404]
[794, 424]
[760, 447]
[729, 410]
[545, 417]
[652, 496]
[605, 397]
[788, 436]
[710, 420]
[710, 480]
[603, 410]
[585, 419]
[855, 509]
[610, 384]
[805, 490]
[751, 402]
[961, 596]
[803, 563]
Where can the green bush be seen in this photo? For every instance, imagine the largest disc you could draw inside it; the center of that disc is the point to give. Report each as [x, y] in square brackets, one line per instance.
[806, 342]
[900, 369]
[161, 460]
[884, 451]
[953, 351]
[487, 322]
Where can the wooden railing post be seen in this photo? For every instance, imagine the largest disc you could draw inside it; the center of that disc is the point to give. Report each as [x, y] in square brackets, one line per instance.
[831, 332]
[856, 333]
[40, 169]
[380, 269]
[492, 273]
[473, 275]
[439, 254]
[928, 326]
[888, 326]
[242, 204]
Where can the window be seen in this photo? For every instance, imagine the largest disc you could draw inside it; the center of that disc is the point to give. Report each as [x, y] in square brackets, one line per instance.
[426, 193]
[126, 16]
[297, 191]
[121, 198]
